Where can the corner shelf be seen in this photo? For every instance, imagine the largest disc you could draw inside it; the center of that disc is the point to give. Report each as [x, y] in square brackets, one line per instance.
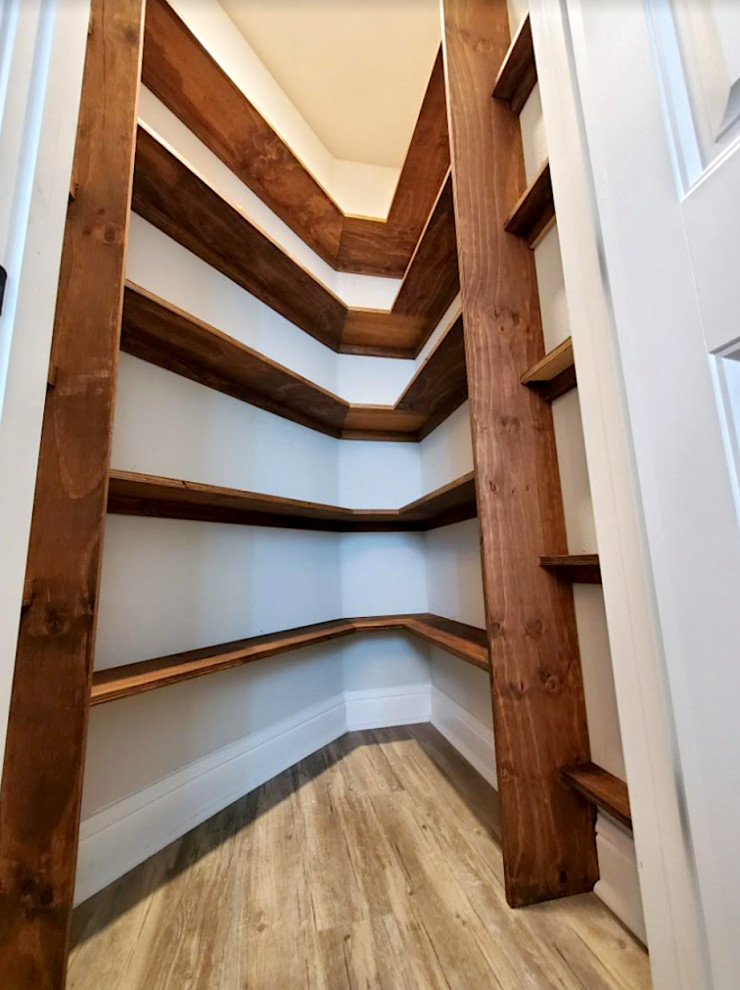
[518, 73]
[171, 195]
[469, 643]
[135, 494]
[429, 285]
[555, 374]
[602, 788]
[582, 568]
[534, 214]
[160, 333]
[191, 83]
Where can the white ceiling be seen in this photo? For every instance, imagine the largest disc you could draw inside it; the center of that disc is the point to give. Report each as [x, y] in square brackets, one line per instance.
[355, 69]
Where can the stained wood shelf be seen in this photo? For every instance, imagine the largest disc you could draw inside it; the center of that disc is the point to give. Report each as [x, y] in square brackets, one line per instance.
[469, 643]
[582, 568]
[534, 214]
[135, 494]
[518, 73]
[190, 82]
[555, 374]
[162, 334]
[601, 788]
[177, 200]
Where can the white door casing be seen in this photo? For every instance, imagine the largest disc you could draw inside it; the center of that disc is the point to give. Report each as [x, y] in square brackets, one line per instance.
[651, 89]
[42, 51]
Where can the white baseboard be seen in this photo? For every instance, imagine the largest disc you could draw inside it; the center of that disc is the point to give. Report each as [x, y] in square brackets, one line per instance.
[119, 837]
[619, 884]
[375, 709]
[471, 737]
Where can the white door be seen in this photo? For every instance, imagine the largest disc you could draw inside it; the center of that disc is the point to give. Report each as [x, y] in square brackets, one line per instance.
[659, 89]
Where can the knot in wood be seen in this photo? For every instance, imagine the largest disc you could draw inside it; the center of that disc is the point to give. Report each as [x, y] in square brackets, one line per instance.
[55, 620]
[37, 894]
[551, 681]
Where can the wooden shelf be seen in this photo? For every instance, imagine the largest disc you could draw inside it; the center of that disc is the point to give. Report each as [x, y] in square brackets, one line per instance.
[518, 73]
[601, 788]
[173, 197]
[580, 568]
[555, 374]
[466, 642]
[188, 80]
[534, 214]
[430, 284]
[162, 334]
[135, 494]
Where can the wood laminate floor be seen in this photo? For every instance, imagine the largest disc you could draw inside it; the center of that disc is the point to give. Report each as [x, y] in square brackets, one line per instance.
[372, 863]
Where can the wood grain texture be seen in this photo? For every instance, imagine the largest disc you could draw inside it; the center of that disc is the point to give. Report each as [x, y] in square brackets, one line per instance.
[430, 284]
[601, 788]
[555, 374]
[582, 568]
[136, 494]
[440, 386]
[372, 863]
[461, 640]
[181, 73]
[160, 333]
[538, 701]
[391, 245]
[185, 77]
[44, 757]
[534, 213]
[518, 73]
[179, 202]
[170, 195]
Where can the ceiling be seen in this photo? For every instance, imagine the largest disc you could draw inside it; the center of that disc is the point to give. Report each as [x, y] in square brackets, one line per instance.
[355, 69]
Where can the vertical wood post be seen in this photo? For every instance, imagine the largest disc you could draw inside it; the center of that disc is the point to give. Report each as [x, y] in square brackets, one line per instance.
[44, 756]
[538, 702]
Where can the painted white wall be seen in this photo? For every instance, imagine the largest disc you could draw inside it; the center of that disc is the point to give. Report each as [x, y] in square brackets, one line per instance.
[42, 51]
[172, 585]
[166, 424]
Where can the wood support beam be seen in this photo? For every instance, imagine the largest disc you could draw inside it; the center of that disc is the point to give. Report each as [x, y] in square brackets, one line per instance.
[44, 757]
[538, 701]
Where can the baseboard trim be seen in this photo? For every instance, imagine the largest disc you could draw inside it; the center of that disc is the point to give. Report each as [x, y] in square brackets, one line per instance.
[123, 835]
[619, 883]
[375, 709]
[471, 737]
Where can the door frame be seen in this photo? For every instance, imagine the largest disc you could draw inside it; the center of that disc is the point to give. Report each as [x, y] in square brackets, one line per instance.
[42, 54]
[572, 74]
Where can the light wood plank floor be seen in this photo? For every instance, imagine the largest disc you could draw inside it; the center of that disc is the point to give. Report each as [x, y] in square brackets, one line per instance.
[373, 863]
